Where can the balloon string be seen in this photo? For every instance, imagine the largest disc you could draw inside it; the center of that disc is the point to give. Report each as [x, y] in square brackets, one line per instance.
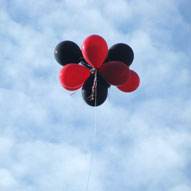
[94, 133]
[94, 86]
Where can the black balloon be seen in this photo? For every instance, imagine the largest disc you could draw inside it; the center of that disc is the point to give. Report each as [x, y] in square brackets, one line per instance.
[85, 64]
[121, 52]
[67, 52]
[101, 90]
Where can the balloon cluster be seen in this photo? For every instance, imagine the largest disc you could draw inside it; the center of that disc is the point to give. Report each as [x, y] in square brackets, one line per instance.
[95, 68]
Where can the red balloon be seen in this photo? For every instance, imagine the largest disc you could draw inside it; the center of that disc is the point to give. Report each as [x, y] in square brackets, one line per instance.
[72, 76]
[94, 50]
[115, 72]
[132, 84]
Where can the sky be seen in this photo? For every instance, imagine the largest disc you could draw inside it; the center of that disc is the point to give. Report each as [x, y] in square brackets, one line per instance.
[143, 138]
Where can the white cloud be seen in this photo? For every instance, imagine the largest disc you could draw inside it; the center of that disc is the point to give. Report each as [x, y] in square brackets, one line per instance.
[181, 187]
[46, 165]
[7, 180]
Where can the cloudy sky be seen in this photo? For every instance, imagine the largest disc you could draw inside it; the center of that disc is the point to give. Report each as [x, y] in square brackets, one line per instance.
[143, 138]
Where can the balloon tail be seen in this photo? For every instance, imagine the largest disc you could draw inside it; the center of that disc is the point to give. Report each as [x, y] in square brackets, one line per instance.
[73, 93]
[92, 96]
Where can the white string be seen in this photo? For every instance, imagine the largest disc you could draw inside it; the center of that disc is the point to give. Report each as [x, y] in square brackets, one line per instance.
[94, 135]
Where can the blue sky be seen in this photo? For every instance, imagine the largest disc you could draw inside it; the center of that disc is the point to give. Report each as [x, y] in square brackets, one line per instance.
[143, 139]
